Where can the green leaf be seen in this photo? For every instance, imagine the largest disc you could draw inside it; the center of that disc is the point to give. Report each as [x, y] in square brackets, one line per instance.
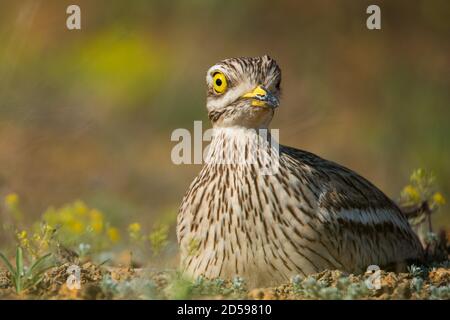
[37, 274]
[19, 261]
[33, 282]
[36, 281]
[37, 264]
[8, 265]
[19, 269]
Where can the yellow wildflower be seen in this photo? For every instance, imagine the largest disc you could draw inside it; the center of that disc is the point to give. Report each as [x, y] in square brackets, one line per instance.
[418, 175]
[411, 193]
[96, 220]
[134, 232]
[158, 238]
[80, 208]
[97, 226]
[134, 228]
[22, 235]
[76, 227]
[12, 200]
[96, 215]
[438, 198]
[113, 234]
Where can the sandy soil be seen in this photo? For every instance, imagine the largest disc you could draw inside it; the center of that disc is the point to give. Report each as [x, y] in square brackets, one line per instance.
[101, 282]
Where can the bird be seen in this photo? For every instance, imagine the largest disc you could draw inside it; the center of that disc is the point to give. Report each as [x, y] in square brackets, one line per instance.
[266, 212]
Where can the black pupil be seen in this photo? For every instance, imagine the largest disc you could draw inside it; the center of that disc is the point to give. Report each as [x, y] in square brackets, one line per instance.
[219, 82]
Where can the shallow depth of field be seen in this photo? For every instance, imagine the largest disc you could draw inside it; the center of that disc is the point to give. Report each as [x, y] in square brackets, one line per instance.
[87, 187]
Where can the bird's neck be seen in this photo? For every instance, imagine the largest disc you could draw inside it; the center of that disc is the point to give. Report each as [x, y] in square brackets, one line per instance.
[242, 146]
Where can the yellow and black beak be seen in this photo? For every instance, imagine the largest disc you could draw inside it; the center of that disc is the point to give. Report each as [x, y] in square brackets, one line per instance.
[262, 98]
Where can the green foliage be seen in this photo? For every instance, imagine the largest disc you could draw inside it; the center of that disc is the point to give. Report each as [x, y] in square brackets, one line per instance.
[218, 287]
[417, 271]
[135, 233]
[72, 225]
[158, 238]
[238, 284]
[136, 288]
[419, 199]
[312, 288]
[440, 293]
[417, 284]
[22, 277]
[179, 288]
[442, 264]
[193, 246]
[85, 231]
[421, 188]
[13, 206]
[296, 282]
[38, 241]
[77, 223]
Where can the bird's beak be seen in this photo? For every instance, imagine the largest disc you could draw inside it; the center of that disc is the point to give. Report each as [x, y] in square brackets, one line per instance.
[262, 98]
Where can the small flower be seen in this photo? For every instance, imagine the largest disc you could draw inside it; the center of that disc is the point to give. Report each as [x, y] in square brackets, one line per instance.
[96, 215]
[76, 227]
[97, 226]
[438, 199]
[12, 200]
[411, 193]
[134, 228]
[238, 283]
[96, 220]
[80, 208]
[22, 235]
[134, 232]
[113, 234]
[158, 238]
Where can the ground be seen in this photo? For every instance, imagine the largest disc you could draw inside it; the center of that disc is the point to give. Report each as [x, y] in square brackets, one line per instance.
[111, 261]
[102, 282]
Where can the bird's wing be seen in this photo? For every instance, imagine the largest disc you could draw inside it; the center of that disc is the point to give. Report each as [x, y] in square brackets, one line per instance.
[361, 222]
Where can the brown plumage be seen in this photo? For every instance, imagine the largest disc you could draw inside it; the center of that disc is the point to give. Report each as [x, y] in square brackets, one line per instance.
[267, 214]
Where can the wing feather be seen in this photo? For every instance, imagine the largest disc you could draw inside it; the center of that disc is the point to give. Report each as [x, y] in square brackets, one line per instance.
[364, 225]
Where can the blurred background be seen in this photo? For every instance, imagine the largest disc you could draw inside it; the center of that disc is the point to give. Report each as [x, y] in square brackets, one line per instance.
[87, 114]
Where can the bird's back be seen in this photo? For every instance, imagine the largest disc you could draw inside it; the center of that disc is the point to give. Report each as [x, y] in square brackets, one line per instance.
[358, 222]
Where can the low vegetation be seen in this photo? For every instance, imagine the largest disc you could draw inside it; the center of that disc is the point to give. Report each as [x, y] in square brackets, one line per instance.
[75, 252]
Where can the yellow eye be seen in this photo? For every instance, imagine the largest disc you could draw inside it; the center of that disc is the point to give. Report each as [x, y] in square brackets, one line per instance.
[219, 82]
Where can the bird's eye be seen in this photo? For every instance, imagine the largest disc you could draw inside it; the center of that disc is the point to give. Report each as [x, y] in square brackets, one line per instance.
[219, 82]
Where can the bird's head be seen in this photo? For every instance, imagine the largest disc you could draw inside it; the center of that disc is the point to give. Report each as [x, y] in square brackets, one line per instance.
[243, 92]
